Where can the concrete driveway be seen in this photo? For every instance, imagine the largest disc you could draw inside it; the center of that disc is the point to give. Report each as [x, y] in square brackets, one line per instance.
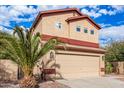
[93, 82]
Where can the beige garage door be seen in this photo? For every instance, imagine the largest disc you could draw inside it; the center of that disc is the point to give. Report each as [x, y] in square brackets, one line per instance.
[74, 66]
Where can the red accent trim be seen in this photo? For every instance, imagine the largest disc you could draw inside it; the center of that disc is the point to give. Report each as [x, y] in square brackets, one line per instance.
[71, 41]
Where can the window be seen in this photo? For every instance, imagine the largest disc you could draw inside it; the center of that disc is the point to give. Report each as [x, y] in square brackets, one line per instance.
[58, 25]
[85, 30]
[78, 29]
[92, 32]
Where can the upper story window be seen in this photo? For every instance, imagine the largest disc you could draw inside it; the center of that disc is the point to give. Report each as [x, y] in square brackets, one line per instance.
[85, 30]
[58, 25]
[78, 28]
[92, 32]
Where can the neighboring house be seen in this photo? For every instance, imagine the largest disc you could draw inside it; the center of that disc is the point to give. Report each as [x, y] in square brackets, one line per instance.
[83, 57]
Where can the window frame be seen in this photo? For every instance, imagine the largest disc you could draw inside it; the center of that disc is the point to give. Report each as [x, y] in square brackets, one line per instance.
[78, 28]
[85, 29]
[58, 25]
[92, 32]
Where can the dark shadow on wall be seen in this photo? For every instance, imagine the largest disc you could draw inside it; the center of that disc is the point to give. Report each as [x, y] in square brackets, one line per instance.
[50, 65]
[57, 66]
[20, 73]
[42, 66]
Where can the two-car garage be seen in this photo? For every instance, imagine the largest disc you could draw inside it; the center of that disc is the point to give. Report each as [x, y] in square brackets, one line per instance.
[77, 66]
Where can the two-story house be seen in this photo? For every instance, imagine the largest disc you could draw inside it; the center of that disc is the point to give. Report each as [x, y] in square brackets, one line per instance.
[83, 57]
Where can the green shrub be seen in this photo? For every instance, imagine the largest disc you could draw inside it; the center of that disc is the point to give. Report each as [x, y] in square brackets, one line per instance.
[109, 68]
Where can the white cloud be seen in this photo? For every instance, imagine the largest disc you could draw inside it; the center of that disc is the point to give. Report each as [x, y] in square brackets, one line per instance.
[105, 25]
[50, 7]
[1, 27]
[103, 11]
[12, 13]
[118, 7]
[24, 9]
[111, 33]
[91, 13]
[110, 11]
[95, 11]
[94, 7]
[107, 12]
[5, 29]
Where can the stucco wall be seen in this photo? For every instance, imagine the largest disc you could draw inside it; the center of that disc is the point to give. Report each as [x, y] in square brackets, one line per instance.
[47, 24]
[81, 35]
[8, 70]
[118, 67]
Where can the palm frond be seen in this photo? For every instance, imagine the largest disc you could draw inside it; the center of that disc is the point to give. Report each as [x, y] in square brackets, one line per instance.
[24, 48]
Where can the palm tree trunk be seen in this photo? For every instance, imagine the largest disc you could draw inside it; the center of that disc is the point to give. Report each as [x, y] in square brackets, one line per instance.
[28, 81]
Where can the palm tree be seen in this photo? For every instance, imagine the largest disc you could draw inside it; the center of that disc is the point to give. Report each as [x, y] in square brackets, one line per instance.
[25, 49]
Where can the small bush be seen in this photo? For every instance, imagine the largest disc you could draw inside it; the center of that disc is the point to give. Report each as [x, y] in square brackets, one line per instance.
[109, 68]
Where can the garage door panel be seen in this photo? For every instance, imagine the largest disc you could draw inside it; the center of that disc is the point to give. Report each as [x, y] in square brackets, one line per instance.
[77, 66]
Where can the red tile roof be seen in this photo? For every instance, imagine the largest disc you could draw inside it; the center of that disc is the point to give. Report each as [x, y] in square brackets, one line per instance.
[61, 10]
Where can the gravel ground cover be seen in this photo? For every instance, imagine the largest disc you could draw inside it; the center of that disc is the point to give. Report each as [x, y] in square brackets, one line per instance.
[45, 84]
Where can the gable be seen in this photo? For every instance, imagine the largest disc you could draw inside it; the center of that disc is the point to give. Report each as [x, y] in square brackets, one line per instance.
[79, 18]
[41, 14]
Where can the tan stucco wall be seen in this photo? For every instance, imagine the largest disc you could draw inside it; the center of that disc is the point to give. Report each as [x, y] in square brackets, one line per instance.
[9, 69]
[81, 35]
[121, 67]
[47, 26]
[118, 67]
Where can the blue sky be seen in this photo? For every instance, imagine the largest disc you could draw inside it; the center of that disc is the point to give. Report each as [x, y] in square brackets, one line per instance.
[109, 17]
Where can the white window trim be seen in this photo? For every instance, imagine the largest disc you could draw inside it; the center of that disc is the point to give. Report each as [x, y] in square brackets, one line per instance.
[57, 24]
